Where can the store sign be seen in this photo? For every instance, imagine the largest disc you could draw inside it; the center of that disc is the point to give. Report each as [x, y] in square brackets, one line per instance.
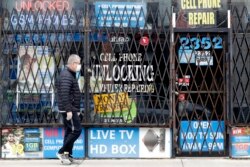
[201, 136]
[120, 14]
[185, 81]
[119, 39]
[144, 41]
[53, 141]
[199, 50]
[115, 107]
[36, 66]
[37, 143]
[40, 14]
[22, 143]
[125, 71]
[240, 146]
[129, 143]
[202, 13]
[58, 5]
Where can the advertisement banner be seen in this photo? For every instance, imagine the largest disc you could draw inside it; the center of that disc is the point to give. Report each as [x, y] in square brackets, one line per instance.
[155, 143]
[37, 143]
[240, 142]
[43, 14]
[36, 69]
[115, 107]
[22, 143]
[199, 50]
[200, 13]
[120, 14]
[201, 136]
[129, 143]
[53, 141]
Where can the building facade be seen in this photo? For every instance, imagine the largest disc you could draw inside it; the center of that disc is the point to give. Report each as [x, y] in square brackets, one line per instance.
[166, 77]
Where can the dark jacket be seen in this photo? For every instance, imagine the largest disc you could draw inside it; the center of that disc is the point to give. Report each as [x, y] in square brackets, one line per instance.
[68, 92]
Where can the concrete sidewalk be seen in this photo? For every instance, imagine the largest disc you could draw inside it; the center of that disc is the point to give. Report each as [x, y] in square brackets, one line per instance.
[177, 162]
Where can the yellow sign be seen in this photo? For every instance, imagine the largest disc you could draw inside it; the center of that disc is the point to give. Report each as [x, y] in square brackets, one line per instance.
[200, 11]
[111, 102]
[201, 18]
[200, 4]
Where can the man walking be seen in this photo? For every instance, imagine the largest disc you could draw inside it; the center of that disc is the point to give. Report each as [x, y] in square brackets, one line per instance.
[69, 106]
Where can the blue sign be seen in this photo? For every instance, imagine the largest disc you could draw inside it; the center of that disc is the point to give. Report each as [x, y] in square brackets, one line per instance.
[240, 139]
[113, 142]
[186, 56]
[53, 141]
[240, 142]
[32, 140]
[241, 150]
[120, 14]
[201, 136]
[11, 44]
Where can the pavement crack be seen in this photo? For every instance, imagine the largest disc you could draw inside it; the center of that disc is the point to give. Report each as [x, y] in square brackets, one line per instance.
[182, 164]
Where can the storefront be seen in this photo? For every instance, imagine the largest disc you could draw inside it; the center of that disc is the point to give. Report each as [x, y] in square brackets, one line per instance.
[157, 73]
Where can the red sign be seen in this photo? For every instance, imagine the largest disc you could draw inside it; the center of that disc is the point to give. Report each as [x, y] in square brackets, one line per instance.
[241, 146]
[144, 41]
[59, 5]
[240, 131]
[184, 81]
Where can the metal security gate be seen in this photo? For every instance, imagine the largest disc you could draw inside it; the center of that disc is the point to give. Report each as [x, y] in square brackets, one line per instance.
[240, 102]
[200, 74]
[133, 73]
[129, 61]
[124, 50]
[35, 46]
[199, 80]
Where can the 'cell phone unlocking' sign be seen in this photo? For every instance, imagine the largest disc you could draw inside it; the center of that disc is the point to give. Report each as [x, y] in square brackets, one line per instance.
[201, 136]
[113, 142]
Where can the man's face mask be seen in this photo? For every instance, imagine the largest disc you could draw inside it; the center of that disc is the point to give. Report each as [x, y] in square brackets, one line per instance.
[78, 67]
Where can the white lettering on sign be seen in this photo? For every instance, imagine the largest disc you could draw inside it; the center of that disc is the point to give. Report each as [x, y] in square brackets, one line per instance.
[202, 135]
[110, 134]
[123, 149]
[119, 40]
[49, 141]
[203, 125]
[59, 141]
[29, 19]
[126, 134]
[58, 5]
[98, 149]
[124, 72]
[198, 146]
[101, 134]
[130, 57]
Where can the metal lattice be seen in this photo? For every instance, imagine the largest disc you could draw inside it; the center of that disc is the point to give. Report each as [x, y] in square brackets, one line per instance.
[240, 69]
[130, 65]
[35, 47]
[199, 79]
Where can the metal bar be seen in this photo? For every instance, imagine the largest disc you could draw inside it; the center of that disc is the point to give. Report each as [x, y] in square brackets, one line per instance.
[86, 61]
[86, 71]
[205, 30]
[1, 119]
[172, 84]
[230, 73]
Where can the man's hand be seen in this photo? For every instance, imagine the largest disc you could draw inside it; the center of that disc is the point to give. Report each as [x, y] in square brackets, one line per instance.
[69, 115]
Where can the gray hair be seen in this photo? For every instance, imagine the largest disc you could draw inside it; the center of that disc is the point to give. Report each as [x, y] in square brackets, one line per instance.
[73, 58]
